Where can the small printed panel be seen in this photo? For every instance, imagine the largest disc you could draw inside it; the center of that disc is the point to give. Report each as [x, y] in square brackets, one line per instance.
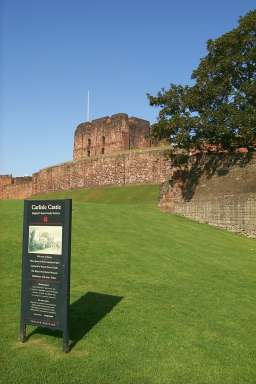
[46, 240]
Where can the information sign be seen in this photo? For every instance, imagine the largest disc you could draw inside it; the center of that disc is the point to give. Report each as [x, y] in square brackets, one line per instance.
[46, 266]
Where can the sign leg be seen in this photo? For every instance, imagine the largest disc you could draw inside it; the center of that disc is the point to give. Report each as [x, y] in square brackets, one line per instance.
[65, 341]
[22, 332]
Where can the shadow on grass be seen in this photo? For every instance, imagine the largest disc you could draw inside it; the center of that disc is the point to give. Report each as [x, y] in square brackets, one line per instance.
[84, 314]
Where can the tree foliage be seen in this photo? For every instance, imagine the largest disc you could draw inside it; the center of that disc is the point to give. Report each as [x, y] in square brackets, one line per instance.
[220, 107]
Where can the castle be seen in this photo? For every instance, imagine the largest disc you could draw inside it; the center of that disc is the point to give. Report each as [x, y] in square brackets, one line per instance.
[216, 188]
[105, 152]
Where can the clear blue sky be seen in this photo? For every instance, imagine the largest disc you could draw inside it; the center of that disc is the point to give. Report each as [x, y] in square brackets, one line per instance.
[53, 51]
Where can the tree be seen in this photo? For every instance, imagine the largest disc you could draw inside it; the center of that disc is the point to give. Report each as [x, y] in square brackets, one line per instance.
[220, 108]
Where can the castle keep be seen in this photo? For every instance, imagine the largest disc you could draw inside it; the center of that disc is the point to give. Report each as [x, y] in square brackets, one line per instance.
[110, 134]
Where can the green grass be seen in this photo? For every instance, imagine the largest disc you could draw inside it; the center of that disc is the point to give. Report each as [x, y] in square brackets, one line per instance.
[110, 195]
[155, 298]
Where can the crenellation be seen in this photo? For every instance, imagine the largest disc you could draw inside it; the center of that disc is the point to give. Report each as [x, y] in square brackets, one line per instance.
[5, 180]
[21, 179]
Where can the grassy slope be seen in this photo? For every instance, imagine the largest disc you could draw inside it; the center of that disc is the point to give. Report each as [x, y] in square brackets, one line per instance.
[110, 195]
[183, 298]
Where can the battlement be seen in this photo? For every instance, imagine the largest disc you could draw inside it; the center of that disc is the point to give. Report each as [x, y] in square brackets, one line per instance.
[5, 180]
[9, 180]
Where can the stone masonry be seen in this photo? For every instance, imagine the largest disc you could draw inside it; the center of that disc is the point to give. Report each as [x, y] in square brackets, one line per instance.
[145, 166]
[219, 190]
[15, 187]
[110, 134]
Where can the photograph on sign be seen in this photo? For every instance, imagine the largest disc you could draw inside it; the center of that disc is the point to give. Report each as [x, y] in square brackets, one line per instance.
[45, 240]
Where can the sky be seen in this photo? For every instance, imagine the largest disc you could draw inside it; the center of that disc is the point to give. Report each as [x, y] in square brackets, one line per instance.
[53, 51]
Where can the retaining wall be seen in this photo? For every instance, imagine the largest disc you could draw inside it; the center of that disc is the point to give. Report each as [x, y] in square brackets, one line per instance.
[218, 189]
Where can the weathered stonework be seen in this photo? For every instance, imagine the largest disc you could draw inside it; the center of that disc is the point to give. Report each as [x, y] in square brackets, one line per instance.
[131, 167]
[236, 213]
[110, 134]
[5, 180]
[219, 190]
[15, 187]
[138, 167]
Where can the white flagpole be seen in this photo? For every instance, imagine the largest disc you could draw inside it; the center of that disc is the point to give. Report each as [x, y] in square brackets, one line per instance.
[88, 106]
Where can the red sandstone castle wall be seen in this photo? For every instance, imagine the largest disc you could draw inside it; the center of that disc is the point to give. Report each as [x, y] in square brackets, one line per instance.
[110, 134]
[139, 131]
[16, 191]
[147, 166]
[134, 167]
[5, 180]
[15, 187]
[226, 199]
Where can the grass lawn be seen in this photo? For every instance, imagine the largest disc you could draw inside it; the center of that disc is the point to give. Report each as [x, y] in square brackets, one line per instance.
[155, 298]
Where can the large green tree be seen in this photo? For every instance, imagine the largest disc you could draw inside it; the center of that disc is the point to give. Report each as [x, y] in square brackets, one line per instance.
[220, 107]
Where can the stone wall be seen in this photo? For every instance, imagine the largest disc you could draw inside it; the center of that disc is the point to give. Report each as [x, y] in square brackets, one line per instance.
[110, 134]
[15, 187]
[132, 167]
[234, 212]
[5, 180]
[216, 189]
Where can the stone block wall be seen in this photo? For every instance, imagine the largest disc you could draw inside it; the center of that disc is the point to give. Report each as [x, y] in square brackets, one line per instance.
[145, 166]
[218, 189]
[131, 167]
[16, 188]
[234, 212]
[110, 134]
[5, 180]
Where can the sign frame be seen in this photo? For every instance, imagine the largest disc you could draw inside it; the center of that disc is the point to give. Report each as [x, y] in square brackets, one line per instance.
[56, 214]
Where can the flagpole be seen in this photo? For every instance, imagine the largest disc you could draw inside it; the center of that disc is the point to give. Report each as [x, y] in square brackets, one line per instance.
[88, 106]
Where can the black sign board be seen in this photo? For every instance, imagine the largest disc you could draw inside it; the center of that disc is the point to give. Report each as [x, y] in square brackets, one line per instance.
[46, 266]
